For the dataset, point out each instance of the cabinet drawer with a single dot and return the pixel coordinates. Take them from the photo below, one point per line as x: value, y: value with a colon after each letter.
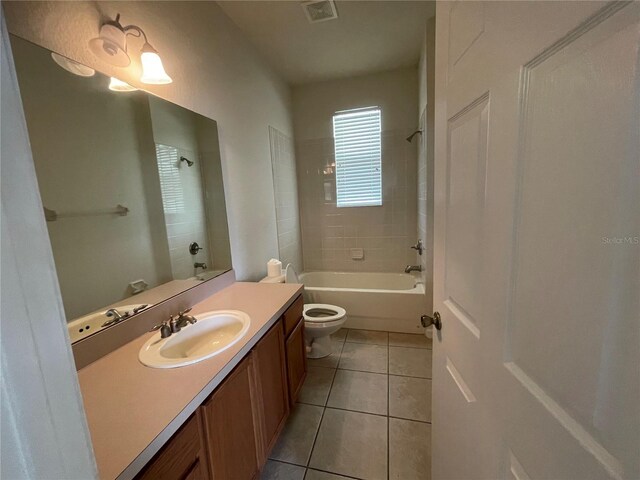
x: 292, y: 315
x: 181, y: 457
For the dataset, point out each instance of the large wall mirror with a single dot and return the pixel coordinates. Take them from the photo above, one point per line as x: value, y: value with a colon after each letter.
x: 131, y: 187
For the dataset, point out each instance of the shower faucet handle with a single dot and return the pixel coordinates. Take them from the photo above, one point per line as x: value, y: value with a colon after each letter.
x: 419, y: 247
x: 194, y: 248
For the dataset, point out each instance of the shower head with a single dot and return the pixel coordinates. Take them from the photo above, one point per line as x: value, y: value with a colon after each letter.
x: 410, y: 137
x: 185, y: 159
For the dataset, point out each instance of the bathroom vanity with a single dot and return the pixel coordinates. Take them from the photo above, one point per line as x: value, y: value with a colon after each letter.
x: 218, y: 418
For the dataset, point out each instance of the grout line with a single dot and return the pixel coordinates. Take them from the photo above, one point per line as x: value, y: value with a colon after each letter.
x: 315, y: 438
x: 324, y: 409
x: 368, y: 343
x: 388, y: 411
x: 411, y: 346
x: 386, y: 373
x: 309, y: 468
x: 333, y: 473
x: 357, y: 411
x: 409, y: 419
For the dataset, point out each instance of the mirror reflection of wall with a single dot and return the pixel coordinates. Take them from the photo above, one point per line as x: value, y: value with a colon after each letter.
x: 95, y: 149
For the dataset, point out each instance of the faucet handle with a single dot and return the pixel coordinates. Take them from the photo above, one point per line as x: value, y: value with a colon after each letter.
x: 164, y: 327
x: 418, y: 246
x: 181, y: 314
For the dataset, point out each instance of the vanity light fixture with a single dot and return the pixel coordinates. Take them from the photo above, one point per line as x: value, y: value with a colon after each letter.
x: 111, y: 46
x: 118, y: 85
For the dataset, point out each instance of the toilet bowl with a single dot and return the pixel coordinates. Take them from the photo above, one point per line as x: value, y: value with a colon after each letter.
x: 320, y: 320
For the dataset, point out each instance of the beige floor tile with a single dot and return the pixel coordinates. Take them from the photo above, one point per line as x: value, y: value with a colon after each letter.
x: 409, y: 340
x: 281, y: 471
x: 317, y: 475
x: 366, y: 358
x: 409, y: 450
x: 315, y: 390
x: 410, y: 398
x: 413, y: 362
x: 353, y: 444
x: 368, y: 336
x: 332, y: 360
x: 340, y: 334
x: 296, y: 440
x: 360, y: 391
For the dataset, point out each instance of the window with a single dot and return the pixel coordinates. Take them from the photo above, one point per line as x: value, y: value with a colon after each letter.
x: 170, y: 184
x: 356, y: 135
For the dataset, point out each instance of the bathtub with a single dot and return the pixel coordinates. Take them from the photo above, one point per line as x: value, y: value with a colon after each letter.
x: 374, y: 301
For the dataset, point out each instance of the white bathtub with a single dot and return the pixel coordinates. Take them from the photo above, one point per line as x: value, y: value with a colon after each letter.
x: 375, y: 301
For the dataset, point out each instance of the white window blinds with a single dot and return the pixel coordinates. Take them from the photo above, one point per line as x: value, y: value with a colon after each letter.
x: 357, y: 139
x: 170, y: 183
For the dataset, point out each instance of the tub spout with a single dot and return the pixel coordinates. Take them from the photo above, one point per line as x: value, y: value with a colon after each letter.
x: 413, y: 268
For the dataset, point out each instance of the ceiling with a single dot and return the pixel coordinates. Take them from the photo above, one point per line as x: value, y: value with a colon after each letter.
x: 367, y: 36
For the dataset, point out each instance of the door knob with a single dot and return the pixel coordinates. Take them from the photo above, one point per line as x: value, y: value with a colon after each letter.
x: 436, y: 321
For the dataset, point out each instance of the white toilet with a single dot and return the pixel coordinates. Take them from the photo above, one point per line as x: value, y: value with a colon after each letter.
x: 320, y: 320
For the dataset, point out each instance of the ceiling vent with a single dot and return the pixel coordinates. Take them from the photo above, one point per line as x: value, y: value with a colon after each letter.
x: 320, y: 10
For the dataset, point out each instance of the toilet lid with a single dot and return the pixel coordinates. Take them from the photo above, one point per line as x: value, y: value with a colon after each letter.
x: 323, y: 313
x: 290, y: 275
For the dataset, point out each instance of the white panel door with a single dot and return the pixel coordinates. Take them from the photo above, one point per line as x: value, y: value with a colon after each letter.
x: 537, y: 241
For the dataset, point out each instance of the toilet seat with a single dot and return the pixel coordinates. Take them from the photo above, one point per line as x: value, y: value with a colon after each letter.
x: 322, y: 313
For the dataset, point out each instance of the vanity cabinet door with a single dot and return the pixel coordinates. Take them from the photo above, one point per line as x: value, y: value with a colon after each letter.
x: 231, y: 426
x: 296, y: 361
x: 182, y: 457
x: 292, y: 315
x: 271, y: 378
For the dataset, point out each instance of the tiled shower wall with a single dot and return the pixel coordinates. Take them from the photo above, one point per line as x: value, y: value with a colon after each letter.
x: 385, y: 233
x: 285, y: 188
x: 422, y: 195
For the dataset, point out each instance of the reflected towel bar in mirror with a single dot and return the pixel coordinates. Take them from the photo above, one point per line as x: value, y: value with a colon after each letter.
x: 52, y: 215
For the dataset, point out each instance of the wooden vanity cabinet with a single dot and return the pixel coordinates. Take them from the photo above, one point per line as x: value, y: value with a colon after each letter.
x: 231, y: 428
x: 295, y: 348
x: 231, y: 434
x: 183, y: 457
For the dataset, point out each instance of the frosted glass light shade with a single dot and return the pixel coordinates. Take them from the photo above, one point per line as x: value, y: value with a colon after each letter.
x: 73, y: 66
x: 119, y: 86
x: 111, y: 45
x: 152, y: 70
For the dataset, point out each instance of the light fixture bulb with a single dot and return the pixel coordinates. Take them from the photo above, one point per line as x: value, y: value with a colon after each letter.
x: 111, y: 45
x: 118, y: 85
x: 152, y: 70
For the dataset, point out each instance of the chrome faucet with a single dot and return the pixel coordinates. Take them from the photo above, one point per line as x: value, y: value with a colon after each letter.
x: 413, y: 268
x: 200, y: 265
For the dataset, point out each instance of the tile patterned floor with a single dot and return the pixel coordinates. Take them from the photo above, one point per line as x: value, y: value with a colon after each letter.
x: 364, y: 413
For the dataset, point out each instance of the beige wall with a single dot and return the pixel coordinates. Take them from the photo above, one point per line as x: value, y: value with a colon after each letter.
x: 386, y: 232
x: 216, y: 73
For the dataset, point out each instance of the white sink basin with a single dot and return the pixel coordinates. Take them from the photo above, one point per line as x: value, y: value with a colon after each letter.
x: 213, y: 333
